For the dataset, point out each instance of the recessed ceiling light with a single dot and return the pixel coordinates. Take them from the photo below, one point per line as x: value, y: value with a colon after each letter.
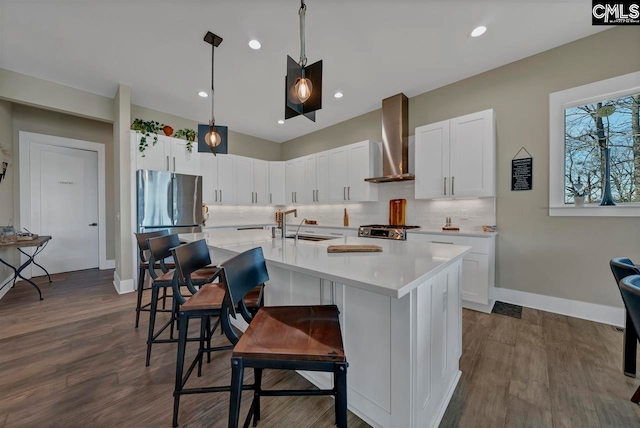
x: 338, y: 94
x: 478, y: 31
x: 254, y: 44
x: 203, y: 94
x: 280, y: 122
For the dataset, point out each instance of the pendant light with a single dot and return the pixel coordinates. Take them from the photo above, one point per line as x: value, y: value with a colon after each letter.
x: 212, y: 138
x: 303, y: 84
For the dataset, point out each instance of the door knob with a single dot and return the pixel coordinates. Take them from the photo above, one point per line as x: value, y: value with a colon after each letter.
x: 93, y: 224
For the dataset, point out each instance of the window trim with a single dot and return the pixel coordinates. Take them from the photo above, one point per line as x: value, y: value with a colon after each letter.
x: 615, y: 87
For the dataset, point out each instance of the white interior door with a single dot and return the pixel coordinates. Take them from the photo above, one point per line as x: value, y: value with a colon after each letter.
x: 64, y: 204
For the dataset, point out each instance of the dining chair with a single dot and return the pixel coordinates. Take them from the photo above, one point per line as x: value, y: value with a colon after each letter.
x: 630, y: 289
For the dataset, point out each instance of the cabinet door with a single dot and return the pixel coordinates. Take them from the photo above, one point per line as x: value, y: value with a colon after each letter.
x: 227, y: 179
x: 183, y: 162
x: 322, y: 177
x: 432, y: 161
x: 277, y: 183
x: 300, y: 193
x: 475, y: 278
x: 472, y: 151
x: 155, y: 157
x: 358, y: 168
x: 208, y: 170
x: 244, y: 181
x: 338, y: 174
x: 261, y: 182
x: 310, y: 182
x: 290, y: 186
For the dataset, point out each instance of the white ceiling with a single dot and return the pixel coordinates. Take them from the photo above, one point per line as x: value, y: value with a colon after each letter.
x: 371, y: 50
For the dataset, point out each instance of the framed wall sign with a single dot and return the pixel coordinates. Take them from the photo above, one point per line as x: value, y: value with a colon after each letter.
x: 522, y: 172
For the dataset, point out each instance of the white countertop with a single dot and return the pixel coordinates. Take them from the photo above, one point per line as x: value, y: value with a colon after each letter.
x: 398, y: 269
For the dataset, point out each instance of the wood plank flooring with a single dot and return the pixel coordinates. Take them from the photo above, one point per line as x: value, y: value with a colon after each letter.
x: 75, y: 360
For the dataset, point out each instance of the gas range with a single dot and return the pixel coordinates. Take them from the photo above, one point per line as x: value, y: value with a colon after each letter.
x: 385, y: 231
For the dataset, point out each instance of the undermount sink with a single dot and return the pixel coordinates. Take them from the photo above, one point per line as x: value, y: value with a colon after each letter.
x: 309, y: 238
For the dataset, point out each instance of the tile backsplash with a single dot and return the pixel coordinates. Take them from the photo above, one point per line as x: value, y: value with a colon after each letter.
x: 427, y: 214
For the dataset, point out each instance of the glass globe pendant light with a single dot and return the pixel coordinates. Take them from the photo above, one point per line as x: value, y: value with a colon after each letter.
x: 212, y: 138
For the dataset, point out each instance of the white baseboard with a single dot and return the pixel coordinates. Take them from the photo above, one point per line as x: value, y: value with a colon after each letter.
x: 4, y: 288
x: 478, y: 306
x: 574, y: 308
x: 122, y: 286
x: 107, y: 264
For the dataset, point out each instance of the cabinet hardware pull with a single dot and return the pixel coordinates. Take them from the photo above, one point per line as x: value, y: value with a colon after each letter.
x: 216, y: 195
x: 256, y: 197
x: 445, y: 186
x: 270, y: 198
x: 336, y: 234
x: 167, y: 163
x: 349, y: 193
x: 291, y: 197
x: 453, y: 186
x: 344, y: 193
x: 174, y: 164
x: 220, y: 195
x: 93, y: 224
x: 442, y: 242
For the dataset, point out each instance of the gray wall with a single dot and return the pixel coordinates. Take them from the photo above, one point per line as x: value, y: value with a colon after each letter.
x: 555, y: 256
x: 239, y: 144
x: 6, y: 186
x: 31, y: 119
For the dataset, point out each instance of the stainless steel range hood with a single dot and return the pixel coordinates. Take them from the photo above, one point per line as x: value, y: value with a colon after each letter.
x: 395, y: 140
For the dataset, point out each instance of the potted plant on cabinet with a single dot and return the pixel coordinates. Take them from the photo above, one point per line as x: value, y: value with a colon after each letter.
x: 189, y: 135
x: 146, y: 128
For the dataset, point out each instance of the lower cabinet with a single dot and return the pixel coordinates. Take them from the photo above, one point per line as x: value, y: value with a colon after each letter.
x: 478, y: 267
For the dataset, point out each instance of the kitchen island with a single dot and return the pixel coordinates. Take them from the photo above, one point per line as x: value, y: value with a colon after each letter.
x: 400, y: 313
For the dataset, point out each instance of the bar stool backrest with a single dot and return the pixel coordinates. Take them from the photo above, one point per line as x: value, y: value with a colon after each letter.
x: 143, y: 246
x: 191, y: 257
x: 630, y: 290
x: 622, y: 267
x: 241, y: 274
x: 160, y: 249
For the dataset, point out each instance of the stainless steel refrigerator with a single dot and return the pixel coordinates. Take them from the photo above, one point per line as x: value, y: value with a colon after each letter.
x: 169, y: 201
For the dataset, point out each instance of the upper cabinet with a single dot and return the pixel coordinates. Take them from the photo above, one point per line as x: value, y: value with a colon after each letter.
x: 456, y: 158
x: 218, y: 179
x: 316, y: 173
x: 277, y: 183
x: 348, y: 168
x: 252, y: 181
x: 296, y: 182
x: 167, y: 154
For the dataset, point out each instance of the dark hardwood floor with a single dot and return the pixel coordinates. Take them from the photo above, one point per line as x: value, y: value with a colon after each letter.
x: 75, y: 360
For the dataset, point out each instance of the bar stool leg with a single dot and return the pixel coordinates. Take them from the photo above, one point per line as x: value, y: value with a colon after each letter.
x: 237, y: 375
x: 340, y: 385
x: 257, y: 373
x: 203, y: 337
x: 209, y: 334
x: 164, y: 298
x: 141, y: 276
x: 152, y: 320
x: 182, y: 345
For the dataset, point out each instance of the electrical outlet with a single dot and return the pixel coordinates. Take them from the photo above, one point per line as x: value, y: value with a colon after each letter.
x: 464, y: 214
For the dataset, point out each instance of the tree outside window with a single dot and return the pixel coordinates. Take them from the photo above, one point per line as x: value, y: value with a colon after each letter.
x: 589, y: 130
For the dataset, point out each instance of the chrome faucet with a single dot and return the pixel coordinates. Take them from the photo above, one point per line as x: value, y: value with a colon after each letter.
x: 298, y: 230
x: 284, y: 221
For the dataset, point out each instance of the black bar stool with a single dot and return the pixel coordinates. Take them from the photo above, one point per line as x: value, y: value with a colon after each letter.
x: 160, y: 250
x: 143, y: 248
x: 621, y: 268
x: 280, y: 337
x: 204, y: 304
x: 630, y: 290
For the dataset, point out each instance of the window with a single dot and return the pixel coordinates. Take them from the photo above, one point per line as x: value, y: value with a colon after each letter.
x: 584, y: 123
x: 589, y: 130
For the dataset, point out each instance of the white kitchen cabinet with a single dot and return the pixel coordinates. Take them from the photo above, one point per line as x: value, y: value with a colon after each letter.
x: 218, y: 179
x: 456, y: 158
x: 310, y: 179
x: 261, y: 182
x: 348, y: 168
x: 168, y: 154
x: 244, y: 181
x: 277, y: 183
x: 478, y: 267
x: 322, y: 177
x: 295, y: 181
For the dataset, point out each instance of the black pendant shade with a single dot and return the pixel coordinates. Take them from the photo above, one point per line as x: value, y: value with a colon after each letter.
x: 293, y: 105
x: 203, y: 147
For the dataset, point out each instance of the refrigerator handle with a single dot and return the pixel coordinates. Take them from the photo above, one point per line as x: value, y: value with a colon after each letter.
x: 172, y: 206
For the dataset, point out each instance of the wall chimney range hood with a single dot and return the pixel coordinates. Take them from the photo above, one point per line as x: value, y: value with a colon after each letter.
x: 395, y: 140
